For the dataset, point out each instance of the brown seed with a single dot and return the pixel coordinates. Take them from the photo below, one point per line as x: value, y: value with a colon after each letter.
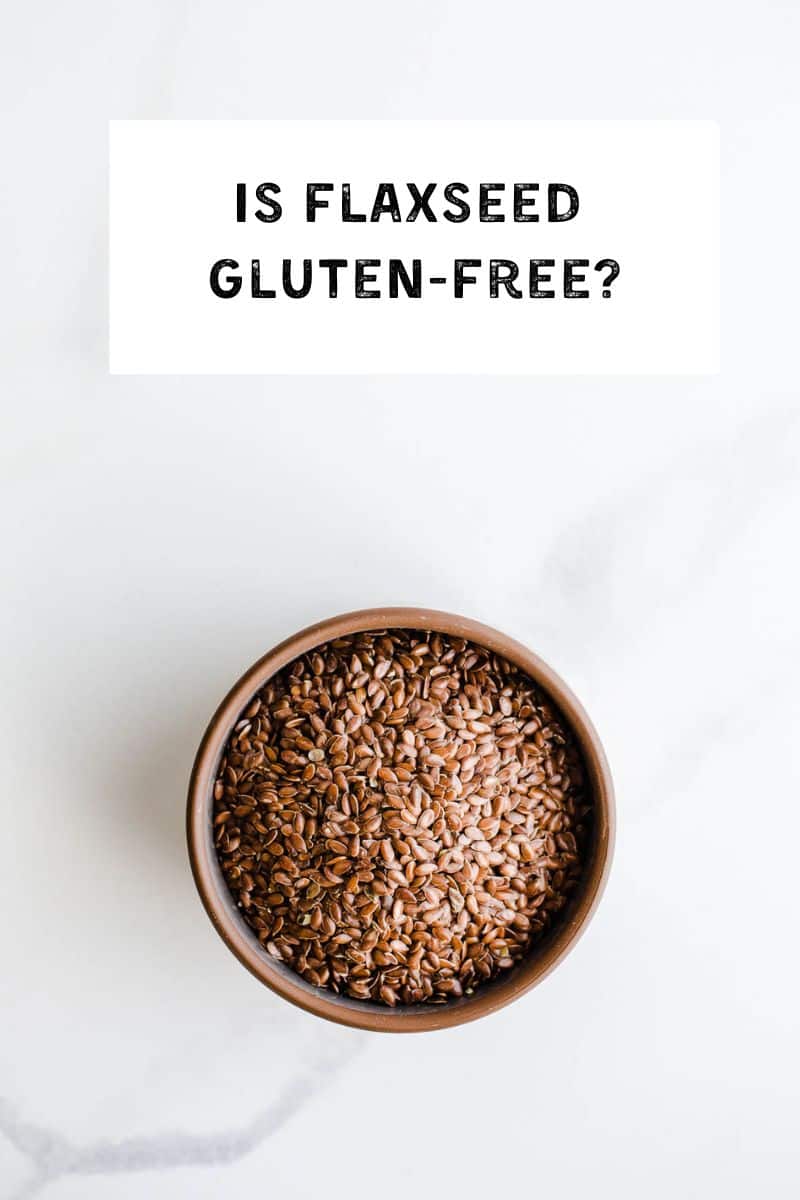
x: 400, y: 841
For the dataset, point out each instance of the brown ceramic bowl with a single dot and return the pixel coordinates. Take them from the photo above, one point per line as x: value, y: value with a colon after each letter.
x: 282, y: 979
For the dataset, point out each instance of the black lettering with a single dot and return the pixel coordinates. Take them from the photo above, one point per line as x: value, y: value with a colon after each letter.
x: 538, y: 277
x: 385, y: 202
x: 488, y: 201
x: 572, y: 277
x: 553, y: 190
x: 521, y: 201
x: 333, y: 266
x: 421, y: 202
x: 234, y: 282
x: 398, y: 274
x: 503, y: 271
x: 255, y: 283
x: 461, y: 278
x: 312, y: 202
x: 347, y: 214
x: 241, y: 202
x: 288, y: 286
x: 363, y: 277
x: 262, y: 196
x: 451, y: 197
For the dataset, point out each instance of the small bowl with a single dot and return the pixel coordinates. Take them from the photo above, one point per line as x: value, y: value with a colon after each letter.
x: 238, y: 936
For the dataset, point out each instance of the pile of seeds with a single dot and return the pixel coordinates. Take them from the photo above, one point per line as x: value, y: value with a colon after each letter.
x: 399, y: 815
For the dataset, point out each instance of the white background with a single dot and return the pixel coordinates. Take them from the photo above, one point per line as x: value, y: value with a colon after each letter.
x: 649, y: 198
x: 158, y: 534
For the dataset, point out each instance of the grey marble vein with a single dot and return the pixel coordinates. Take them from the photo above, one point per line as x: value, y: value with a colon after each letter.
x: 54, y: 1156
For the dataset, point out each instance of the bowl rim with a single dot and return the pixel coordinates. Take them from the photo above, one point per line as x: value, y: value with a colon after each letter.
x: 242, y: 942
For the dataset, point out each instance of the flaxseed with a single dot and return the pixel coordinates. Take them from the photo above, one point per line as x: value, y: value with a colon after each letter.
x: 400, y: 816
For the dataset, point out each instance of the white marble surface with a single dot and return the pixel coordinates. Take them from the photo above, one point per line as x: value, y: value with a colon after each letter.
x: 159, y: 534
